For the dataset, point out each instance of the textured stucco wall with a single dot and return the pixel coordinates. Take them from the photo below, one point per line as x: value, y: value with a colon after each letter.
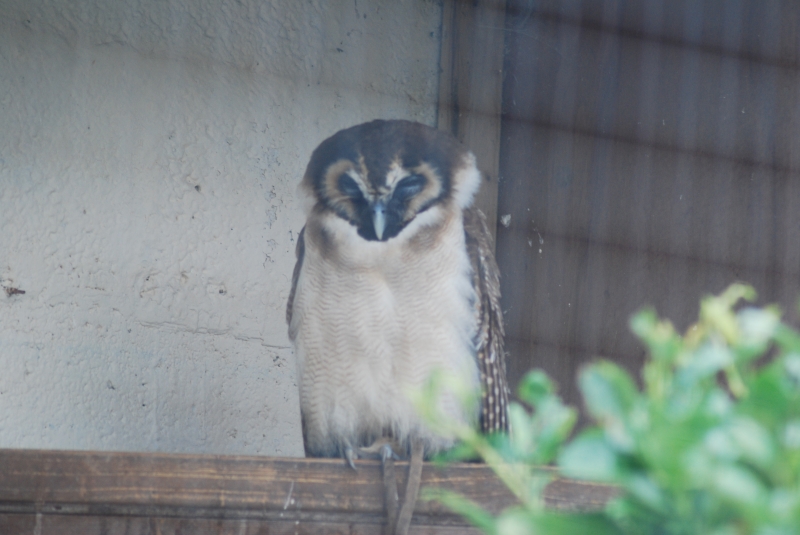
x: 149, y: 155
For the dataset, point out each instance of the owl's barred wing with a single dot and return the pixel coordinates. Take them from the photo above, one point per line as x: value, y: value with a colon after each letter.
x: 300, y: 252
x: 489, y: 335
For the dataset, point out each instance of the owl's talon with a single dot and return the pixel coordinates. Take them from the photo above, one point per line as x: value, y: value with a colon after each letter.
x: 350, y: 456
x: 388, y: 453
x: 383, y: 448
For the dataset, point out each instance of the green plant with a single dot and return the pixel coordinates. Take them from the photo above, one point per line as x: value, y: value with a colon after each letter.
x: 709, y: 444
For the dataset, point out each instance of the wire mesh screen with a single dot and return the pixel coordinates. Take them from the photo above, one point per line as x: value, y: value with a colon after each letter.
x: 649, y: 156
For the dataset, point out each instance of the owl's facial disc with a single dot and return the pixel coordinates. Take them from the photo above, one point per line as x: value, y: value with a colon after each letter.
x: 380, y: 201
x: 380, y: 214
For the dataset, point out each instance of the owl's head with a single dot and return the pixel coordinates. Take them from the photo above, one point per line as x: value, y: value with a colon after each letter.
x: 380, y: 176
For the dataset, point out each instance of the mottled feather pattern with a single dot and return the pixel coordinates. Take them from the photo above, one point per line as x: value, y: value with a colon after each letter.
x: 489, y: 335
x: 299, y: 251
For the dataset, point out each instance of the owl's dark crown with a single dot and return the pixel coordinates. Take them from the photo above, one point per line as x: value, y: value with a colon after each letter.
x: 380, y: 175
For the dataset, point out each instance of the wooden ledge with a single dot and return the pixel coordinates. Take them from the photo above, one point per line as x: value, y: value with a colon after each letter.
x: 66, y: 492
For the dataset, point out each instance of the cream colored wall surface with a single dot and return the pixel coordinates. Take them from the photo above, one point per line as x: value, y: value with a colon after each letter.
x: 149, y: 155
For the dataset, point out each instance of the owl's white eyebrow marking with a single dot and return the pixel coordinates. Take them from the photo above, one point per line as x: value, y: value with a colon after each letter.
x: 396, y: 173
x: 361, y: 183
x: 357, y: 178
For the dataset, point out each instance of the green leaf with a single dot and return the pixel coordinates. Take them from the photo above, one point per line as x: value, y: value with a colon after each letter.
x: 719, y: 444
x: 522, y: 439
x: 717, y: 404
x: 518, y: 521
x: 535, y: 387
x: 608, y: 390
x: 785, y: 505
x: 515, y: 521
x: 474, y: 513
x: 646, y: 490
x: 758, y: 327
x: 706, y: 361
x: 787, y: 338
x: 717, y: 311
x: 462, y: 451
x: 792, y: 364
x: 770, y: 400
x: 737, y: 484
x: 664, y: 446
x: 644, y: 322
x: 753, y: 442
x: 660, y: 336
x: 554, y: 422
x: 574, y: 524
x: 609, y: 394
x: 590, y: 457
x: 791, y: 435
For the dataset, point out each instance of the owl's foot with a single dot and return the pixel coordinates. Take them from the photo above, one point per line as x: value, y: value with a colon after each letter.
x: 397, y: 522
x: 382, y: 449
x: 388, y: 453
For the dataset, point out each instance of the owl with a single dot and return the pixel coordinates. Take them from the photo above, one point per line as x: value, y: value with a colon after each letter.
x: 395, y: 278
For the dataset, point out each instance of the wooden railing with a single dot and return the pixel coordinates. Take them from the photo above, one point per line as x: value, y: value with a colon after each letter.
x: 67, y: 492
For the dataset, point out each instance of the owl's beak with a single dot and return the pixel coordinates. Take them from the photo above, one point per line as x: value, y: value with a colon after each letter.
x: 379, y: 218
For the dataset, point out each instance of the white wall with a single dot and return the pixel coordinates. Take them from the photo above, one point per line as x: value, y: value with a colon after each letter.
x: 149, y: 155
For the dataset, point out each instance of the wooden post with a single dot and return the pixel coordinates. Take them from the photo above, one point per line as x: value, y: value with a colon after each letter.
x: 471, y: 87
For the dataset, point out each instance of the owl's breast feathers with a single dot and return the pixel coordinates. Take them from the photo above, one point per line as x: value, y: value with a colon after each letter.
x: 371, y: 320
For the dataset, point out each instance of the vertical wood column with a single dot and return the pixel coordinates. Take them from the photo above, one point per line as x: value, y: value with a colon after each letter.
x: 471, y: 87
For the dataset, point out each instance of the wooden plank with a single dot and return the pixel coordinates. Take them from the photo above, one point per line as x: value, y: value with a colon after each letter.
x: 89, y: 492
x: 13, y: 524
x: 471, y: 85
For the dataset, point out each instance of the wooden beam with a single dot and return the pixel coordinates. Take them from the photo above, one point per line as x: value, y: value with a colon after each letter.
x: 471, y: 86
x: 90, y: 493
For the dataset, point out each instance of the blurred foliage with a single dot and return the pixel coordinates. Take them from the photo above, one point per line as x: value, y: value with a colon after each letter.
x: 709, y: 444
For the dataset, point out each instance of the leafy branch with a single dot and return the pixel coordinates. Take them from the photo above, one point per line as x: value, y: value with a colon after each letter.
x: 709, y: 444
